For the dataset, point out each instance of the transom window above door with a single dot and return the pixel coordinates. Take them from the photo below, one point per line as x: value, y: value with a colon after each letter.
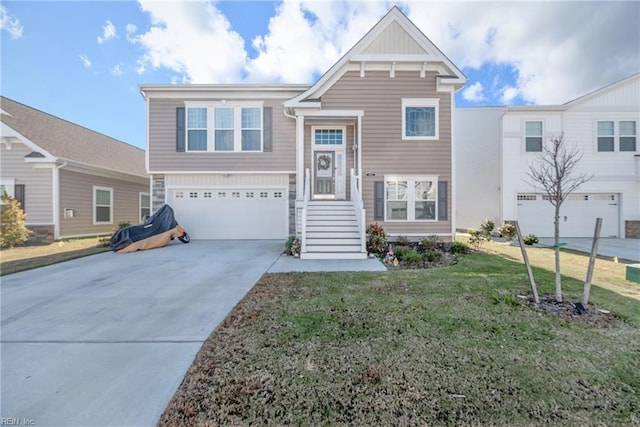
x: 328, y: 136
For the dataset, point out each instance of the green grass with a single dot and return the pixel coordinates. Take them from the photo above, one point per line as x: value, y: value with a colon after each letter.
x: 446, y: 346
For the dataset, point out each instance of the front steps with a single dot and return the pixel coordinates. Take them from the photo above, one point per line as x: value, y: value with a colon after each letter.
x: 332, y: 231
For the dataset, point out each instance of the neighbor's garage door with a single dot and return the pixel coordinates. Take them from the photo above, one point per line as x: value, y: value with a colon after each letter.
x: 577, y: 215
x: 223, y: 213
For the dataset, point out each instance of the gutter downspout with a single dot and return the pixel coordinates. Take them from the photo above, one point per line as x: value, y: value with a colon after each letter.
x: 56, y: 200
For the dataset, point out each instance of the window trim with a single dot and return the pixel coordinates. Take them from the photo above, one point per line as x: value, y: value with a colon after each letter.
x: 634, y: 136
x: 10, y: 185
x: 411, y: 200
x: 187, y: 129
x: 237, y: 107
x: 616, y: 135
x: 421, y: 102
x: 541, y: 136
x: 140, y: 207
x: 95, y: 206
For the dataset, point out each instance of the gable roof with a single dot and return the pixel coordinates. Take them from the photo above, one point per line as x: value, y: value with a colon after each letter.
x: 411, y: 45
x: 598, y: 92
x: 67, y: 141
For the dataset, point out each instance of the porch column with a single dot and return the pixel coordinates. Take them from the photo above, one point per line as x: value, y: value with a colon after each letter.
x: 360, y: 173
x: 299, y: 157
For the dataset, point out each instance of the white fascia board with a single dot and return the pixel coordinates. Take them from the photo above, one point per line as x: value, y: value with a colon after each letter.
x: 105, y: 172
x: 221, y: 172
x: 9, y: 134
x: 533, y: 108
x: 373, y: 57
x: 331, y: 113
x: 237, y: 91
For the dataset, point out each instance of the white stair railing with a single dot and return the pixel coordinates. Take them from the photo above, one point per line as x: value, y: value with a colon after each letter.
x: 358, y: 207
x: 305, y: 204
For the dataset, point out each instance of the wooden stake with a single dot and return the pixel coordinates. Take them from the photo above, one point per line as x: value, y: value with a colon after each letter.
x: 592, y: 262
x: 532, y: 282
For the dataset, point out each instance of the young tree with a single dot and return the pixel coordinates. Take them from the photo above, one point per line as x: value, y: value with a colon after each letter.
x: 555, y: 174
x: 13, y: 227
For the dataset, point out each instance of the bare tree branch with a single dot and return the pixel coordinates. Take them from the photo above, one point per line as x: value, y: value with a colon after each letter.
x: 555, y: 174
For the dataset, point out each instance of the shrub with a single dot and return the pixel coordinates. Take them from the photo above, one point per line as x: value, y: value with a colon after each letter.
x: 433, y: 255
x: 487, y: 227
x: 376, y: 239
x: 293, y: 245
x: 476, y: 238
x: 459, y: 248
x: 401, y: 252
x: 13, y: 228
x: 530, y: 239
x: 403, y: 241
x: 412, y: 258
x: 507, y: 230
x: 430, y: 243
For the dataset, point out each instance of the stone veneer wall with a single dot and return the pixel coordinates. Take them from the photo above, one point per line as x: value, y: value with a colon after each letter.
x: 632, y: 229
x: 41, y: 233
x: 157, y: 193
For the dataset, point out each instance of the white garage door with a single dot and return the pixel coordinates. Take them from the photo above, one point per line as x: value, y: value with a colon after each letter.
x: 228, y: 213
x: 577, y: 214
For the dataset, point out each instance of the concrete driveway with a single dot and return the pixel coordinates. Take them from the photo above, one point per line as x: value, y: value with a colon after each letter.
x: 107, y: 339
x: 628, y: 249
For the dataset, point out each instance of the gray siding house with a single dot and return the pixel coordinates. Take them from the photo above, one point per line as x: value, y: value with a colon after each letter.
x: 71, y: 181
x: 370, y: 141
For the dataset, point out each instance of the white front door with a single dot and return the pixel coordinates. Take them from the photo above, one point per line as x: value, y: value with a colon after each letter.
x: 329, y: 163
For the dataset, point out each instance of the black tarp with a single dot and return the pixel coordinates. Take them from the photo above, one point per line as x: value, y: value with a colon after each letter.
x: 161, y: 221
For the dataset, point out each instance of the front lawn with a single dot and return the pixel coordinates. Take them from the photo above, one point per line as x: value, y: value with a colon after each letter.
x: 27, y: 257
x: 452, y: 345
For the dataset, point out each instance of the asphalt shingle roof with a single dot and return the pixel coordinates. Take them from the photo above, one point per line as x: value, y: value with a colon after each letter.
x: 69, y: 141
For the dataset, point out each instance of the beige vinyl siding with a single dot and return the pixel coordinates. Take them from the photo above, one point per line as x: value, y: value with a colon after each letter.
x: 76, y: 191
x: 164, y: 158
x: 38, y: 183
x: 383, y: 150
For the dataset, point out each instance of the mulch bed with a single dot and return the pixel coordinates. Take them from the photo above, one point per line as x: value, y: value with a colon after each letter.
x: 591, y: 315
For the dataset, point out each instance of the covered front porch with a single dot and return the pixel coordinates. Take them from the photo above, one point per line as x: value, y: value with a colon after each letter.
x: 330, y: 216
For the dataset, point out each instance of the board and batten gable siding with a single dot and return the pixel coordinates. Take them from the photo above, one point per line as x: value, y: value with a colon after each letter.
x: 76, y: 192
x: 384, y: 152
x: 163, y: 156
x: 38, y: 183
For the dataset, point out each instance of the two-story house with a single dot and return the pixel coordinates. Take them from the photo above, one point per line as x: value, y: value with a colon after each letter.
x: 370, y: 141
x: 602, y: 126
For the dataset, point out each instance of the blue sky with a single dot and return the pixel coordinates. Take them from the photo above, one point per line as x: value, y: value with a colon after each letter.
x: 83, y: 61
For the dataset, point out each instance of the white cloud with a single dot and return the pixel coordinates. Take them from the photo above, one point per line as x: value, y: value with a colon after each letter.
x: 192, y: 39
x: 116, y: 70
x: 9, y: 23
x: 474, y: 92
x: 324, y: 31
x: 561, y: 49
x: 558, y: 50
x: 86, y: 62
x: 508, y: 94
x: 131, y: 32
x: 108, y: 32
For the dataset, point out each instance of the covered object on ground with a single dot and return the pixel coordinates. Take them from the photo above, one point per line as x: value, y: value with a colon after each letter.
x: 156, y: 232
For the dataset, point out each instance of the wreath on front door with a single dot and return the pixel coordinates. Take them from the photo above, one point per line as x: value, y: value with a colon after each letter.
x: 324, y: 162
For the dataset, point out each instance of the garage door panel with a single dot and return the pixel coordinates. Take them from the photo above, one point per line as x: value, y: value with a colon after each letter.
x: 577, y: 215
x: 232, y: 213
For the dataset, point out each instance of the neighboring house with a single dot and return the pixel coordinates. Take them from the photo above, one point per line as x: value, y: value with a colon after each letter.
x: 370, y: 141
x: 71, y: 181
x: 603, y: 125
